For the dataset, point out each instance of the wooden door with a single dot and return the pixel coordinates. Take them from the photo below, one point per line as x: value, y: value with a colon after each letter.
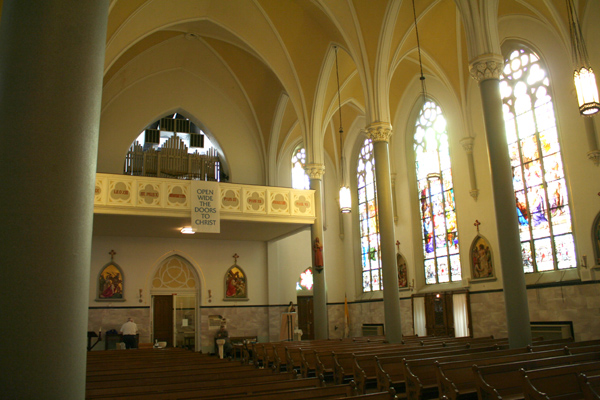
x: 305, y: 317
x: 439, y: 314
x: 163, y: 319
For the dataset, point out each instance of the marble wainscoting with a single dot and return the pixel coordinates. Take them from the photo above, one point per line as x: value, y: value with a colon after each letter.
x: 577, y: 303
x: 109, y: 318
x: 241, y: 321
x: 488, y: 314
x: 369, y: 312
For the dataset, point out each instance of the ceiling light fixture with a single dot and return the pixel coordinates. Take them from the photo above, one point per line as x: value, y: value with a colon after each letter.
x: 583, y: 76
x: 345, y: 198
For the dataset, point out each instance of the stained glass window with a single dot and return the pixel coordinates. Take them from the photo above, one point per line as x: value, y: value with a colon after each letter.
x: 306, y: 280
x: 541, y: 195
x: 436, y: 197
x: 299, y: 178
x: 369, y: 223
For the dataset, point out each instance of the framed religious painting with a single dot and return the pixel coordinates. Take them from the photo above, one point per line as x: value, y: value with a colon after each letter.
x: 482, y: 260
x: 110, y: 283
x: 236, y: 284
x: 402, y: 273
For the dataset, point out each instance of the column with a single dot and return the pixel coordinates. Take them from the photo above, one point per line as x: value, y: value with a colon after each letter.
x: 590, y: 131
x: 315, y: 173
x: 50, y: 96
x: 380, y: 134
x: 486, y: 70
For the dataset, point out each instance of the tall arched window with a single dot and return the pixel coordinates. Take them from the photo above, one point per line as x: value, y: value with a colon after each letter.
x: 436, y: 197
x: 369, y: 223
x: 539, y: 182
x: 299, y: 177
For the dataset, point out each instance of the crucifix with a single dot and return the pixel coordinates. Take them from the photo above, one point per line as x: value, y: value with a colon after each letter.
x: 112, y: 254
x: 398, y: 246
x: 476, y: 224
x: 235, y: 257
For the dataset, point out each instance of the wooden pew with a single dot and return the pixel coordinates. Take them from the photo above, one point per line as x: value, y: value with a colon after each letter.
x: 225, y: 389
x: 504, y: 379
x: 590, y: 386
x: 365, y: 368
x: 559, y: 382
x: 100, y: 389
x: 422, y: 377
x: 456, y: 380
x: 326, y: 392
x: 390, y: 371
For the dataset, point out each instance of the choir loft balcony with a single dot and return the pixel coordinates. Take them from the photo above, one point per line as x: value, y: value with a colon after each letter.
x: 139, y: 206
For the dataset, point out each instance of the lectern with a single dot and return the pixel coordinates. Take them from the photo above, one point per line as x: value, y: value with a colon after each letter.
x: 288, y: 325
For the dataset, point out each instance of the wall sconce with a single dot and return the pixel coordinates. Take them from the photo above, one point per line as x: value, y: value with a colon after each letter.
x: 140, y: 296
x: 411, y: 285
x: 209, y: 295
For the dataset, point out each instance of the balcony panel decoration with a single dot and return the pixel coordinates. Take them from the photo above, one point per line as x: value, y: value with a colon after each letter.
x: 140, y: 195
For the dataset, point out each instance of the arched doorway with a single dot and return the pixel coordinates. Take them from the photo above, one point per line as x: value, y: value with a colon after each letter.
x: 175, y: 291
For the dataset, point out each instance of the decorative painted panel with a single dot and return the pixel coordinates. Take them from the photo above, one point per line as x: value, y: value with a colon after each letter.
x: 100, y: 190
x: 231, y: 199
x: 178, y: 196
x: 120, y: 192
x: 254, y: 200
x: 149, y: 194
x: 302, y: 204
x: 279, y: 202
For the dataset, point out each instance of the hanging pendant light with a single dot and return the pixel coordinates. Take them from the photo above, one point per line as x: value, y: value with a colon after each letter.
x: 583, y: 76
x: 345, y: 198
x: 422, y: 77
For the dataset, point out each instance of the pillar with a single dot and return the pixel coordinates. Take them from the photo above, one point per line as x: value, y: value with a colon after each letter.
x: 50, y: 95
x: 486, y: 70
x: 380, y: 134
x: 315, y: 173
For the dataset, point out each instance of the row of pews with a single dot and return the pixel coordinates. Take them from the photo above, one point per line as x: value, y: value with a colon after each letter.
x: 370, y: 368
x: 169, y: 374
x: 448, y: 368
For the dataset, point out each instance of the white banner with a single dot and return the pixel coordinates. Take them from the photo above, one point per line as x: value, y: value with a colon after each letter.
x: 206, y: 209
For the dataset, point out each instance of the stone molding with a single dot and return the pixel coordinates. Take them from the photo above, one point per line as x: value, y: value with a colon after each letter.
x: 315, y: 171
x: 379, y: 132
x: 488, y: 66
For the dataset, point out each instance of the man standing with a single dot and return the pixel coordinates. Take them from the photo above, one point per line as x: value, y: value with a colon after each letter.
x: 129, y: 331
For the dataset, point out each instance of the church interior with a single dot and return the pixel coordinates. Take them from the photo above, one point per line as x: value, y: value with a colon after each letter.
x: 454, y: 125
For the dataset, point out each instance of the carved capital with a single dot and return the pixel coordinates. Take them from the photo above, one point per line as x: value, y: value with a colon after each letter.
x: 379, y: 132
x: 467, y: 144
x: 594, y: 156
x: 474, y: 193
x: 315, y: 171
x: 488, y: 66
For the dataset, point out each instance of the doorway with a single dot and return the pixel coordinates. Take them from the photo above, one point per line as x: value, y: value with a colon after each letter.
x: 306, y: 317
x: 163, y: 318
x: 442, y: 314
x: 174, y: 320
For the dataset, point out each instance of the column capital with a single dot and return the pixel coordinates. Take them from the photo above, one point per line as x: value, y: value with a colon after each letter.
x: 379, y: 131
x: 487, y: 66
x: 594, y: 156
x: 315, y: 171
x: 467, y: 144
